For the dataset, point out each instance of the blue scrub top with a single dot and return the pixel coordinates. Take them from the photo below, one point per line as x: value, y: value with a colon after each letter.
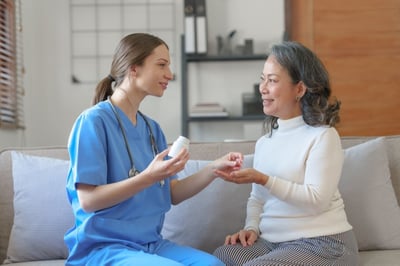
x: 99, y: 156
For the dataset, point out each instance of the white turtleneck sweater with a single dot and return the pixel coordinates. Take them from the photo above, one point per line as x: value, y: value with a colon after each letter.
x: 301, y: 198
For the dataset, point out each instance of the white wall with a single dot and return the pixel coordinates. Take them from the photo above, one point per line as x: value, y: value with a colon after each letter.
x: 52, y: 102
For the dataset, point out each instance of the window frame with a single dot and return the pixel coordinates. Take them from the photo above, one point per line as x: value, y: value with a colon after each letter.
x: 11, y: 70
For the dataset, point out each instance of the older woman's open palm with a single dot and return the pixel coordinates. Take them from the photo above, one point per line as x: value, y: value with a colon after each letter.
x: 244, y: 176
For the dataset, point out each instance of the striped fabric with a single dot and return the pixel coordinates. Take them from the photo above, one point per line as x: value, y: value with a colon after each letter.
x: 339, y: 250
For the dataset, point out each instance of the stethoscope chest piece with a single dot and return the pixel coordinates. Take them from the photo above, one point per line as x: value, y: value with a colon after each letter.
x: 133, y: 172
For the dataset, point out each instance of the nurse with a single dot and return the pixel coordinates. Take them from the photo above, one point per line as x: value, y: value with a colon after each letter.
x: 121, y: 181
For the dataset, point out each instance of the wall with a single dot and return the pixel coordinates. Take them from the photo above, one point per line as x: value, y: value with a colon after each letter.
x: 359, y: 42
x: 52, y: 102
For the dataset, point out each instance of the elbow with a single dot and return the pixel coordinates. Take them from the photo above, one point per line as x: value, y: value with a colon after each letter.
x: 317, y: 206
x: 86, y: 206
x: 86, y: 200
x: 175, y: 201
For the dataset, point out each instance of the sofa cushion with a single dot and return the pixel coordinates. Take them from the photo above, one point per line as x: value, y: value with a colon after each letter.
x: 369, y: 197
x: 204, y: 220
x: 42, y: 213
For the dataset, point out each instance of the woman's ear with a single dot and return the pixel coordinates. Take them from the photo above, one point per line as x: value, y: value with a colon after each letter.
x: 301, y: 89
x: 134, y: 70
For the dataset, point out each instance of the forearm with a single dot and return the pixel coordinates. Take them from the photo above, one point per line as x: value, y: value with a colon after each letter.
x: 191, y: 185
x: 253, y: 212
x: 93, y: 198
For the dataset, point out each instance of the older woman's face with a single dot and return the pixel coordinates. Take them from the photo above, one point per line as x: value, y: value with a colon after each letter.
x: 278, y: 91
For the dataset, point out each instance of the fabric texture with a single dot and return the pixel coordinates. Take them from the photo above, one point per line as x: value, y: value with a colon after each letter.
x: 369, y: 197
x: 301, y: 198
x: 42, y: 213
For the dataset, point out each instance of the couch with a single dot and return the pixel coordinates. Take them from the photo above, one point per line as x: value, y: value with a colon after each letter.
x: 34, y: 211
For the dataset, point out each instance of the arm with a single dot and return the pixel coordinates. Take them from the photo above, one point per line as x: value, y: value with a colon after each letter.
x: 189, y: 186
x: 322, y: 171
x: 93, y: 198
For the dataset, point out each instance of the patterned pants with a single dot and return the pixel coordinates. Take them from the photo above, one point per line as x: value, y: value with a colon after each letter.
x: 339, y: 250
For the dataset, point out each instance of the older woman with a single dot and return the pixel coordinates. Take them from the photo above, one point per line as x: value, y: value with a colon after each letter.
x: 295, y: 213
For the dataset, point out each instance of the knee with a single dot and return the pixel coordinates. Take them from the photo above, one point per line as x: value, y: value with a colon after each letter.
x: 214, y: 261
x: 220, y: 253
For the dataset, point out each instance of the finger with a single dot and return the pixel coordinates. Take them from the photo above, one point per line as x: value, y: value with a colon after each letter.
x: 242, y: 238
x: 227, y: 239
x: 252, y: 238
x: 233, y: 239
x: 163, y: 153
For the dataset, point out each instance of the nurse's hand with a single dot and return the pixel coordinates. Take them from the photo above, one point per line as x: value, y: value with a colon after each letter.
x: 159, y: 168
x: 227, y: 164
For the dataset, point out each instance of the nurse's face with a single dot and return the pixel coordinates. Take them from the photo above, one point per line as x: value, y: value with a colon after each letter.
x: 153, y: 76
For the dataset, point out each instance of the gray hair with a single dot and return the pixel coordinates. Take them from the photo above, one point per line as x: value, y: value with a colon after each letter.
x: 303, y: 65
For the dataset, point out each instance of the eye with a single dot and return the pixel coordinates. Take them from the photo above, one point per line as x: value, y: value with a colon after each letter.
x: 272, y: 81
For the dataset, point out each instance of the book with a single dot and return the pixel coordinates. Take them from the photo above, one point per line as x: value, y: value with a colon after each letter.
x: 207, y: 107
x: 208, y: 110
x: 201, y: 26
x: 190, y: 26
x: 209, y: 114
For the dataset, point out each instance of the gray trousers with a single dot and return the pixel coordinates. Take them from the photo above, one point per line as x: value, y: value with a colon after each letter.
x: 340, y: 249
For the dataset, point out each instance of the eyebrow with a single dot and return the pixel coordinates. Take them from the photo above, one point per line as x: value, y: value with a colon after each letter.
x: 163, y: 59
x: 269, y: 75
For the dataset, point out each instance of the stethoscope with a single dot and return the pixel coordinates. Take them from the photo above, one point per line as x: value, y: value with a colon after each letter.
x: 133, y: 171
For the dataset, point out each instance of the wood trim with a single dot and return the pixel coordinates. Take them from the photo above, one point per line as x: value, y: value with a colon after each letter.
x: 300, y: 24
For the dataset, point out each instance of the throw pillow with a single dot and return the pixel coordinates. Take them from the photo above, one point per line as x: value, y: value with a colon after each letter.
x: 370, y: 201
x: 42, y: 213
x: 204, y: 220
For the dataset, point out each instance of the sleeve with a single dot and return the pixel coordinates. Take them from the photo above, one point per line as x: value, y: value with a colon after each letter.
x: 87, y: 149
x: 255, y: 206
x: 322, y: 173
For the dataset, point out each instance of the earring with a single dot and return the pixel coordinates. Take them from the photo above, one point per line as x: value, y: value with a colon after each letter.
x: 297, y: 98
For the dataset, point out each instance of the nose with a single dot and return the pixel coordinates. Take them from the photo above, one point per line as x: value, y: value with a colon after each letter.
x: 263, y: 87
x: 168, y: 74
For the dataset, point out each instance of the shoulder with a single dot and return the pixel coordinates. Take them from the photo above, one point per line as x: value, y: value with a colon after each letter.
x: 325, y: 132
x: 99, y: 112
x: 94, y: 117
x: 328, y: 137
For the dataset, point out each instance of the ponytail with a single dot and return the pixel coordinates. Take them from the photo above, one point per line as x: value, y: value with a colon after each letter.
x: 103, y: 90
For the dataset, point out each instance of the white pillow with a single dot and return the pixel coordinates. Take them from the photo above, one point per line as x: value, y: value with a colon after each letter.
x: 370, y: 202
x: 42, y: 213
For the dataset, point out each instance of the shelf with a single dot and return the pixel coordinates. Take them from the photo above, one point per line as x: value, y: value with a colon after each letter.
x: 228, y: 118
x: 216, y: 58
x: 199, y: 58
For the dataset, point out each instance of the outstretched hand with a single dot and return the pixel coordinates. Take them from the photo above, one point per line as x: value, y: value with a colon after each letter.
x: 243, y: 176
x: 228, y: 163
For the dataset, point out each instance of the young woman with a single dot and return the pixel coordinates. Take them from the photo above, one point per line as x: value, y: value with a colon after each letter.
x: 121, y: 181
x: 295, y: 214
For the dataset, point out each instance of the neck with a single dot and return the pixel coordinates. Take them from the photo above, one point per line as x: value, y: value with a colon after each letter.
x: 122, y: 99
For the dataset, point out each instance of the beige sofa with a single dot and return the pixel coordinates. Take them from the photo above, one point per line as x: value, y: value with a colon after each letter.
x: 33, y: 187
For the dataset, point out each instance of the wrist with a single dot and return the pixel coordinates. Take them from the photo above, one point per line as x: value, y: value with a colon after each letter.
x: 210, y: 170
x: 263, y: 179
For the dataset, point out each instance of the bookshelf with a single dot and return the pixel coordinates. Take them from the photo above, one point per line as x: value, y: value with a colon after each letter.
x: 197, y: 58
